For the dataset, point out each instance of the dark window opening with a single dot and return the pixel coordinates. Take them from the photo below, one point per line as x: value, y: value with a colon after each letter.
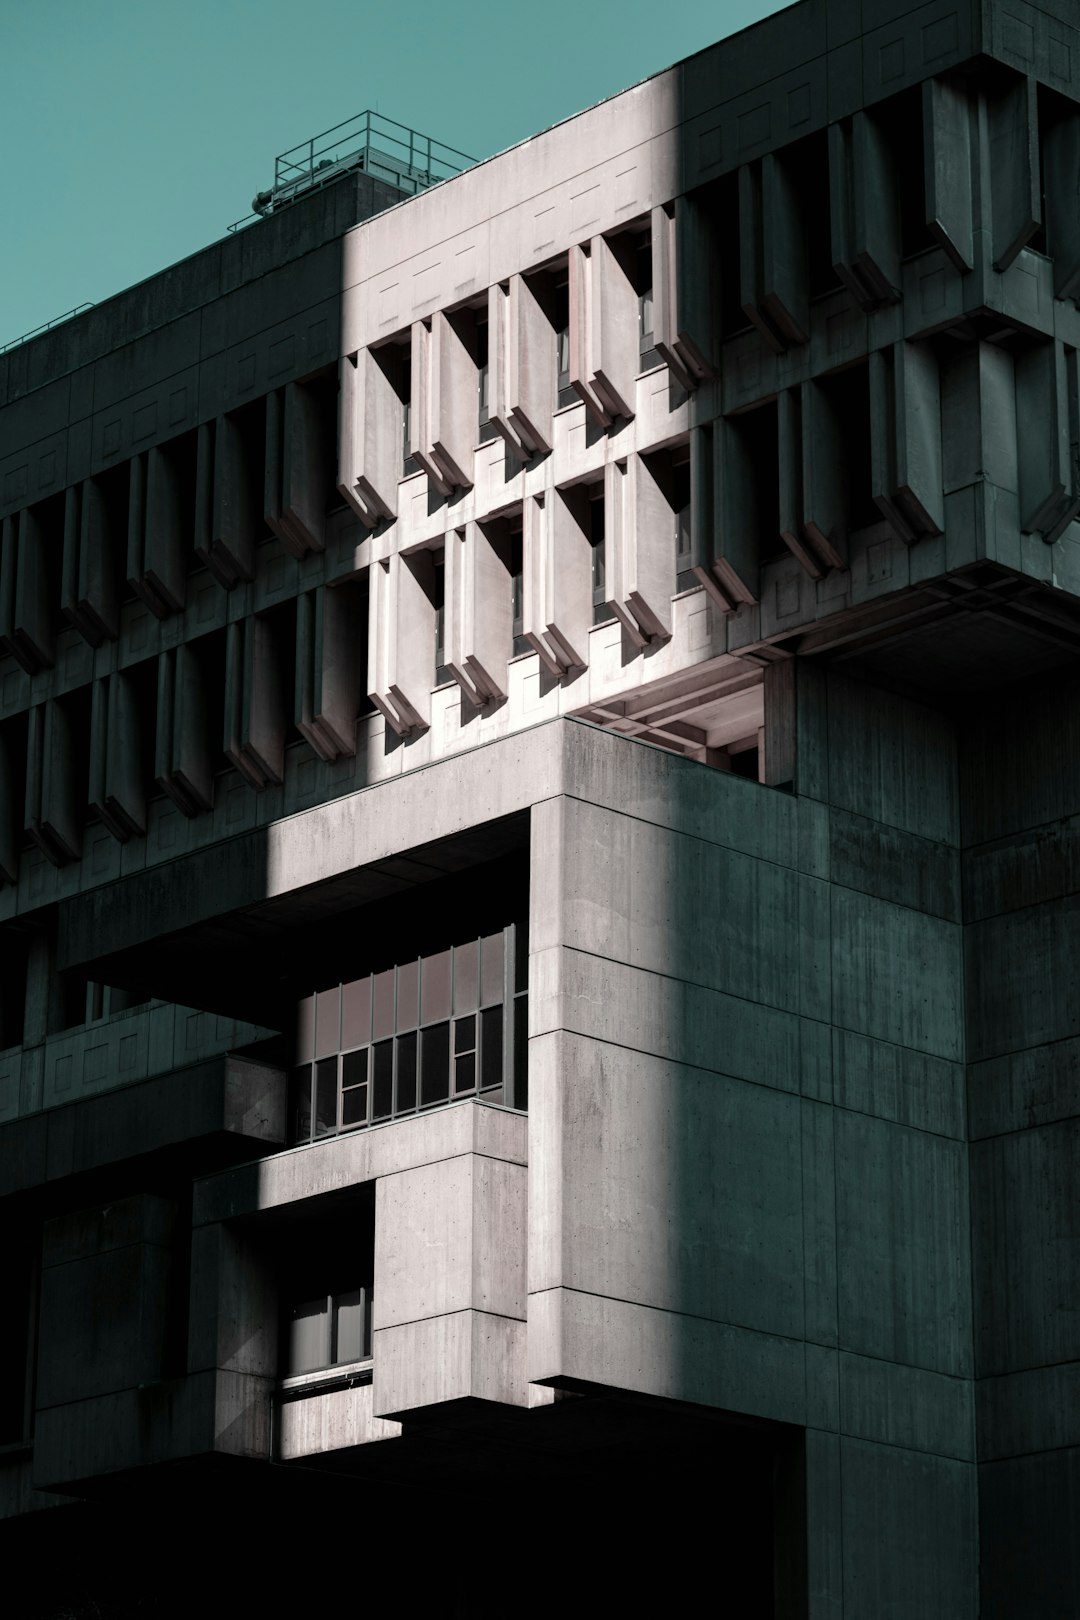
x: 745, y: 762
x: 401, y: 363
x: 561, y: 321
x: 643, y: 281
x: 685, y: 578
x: 517, y: 594
x: 601, y: 612
x: 13, y: 989
x: 442, y: 673
x: 487, y: 428
x: 422, y: 1033
x: 18, y: 1289
x: 325, y: 1275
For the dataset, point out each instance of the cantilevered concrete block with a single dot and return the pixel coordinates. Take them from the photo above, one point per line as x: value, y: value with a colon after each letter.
x: 947, y: 155
x: 329, y: 668
x: 450, y: 1264
x: 479, y: 611
x: 401, y: 640
x: 773, y: 274
x: 117, y: 793
x: 296, y: 470
x: 685, y: 289
x: 557, y: 579
x: 603, y: 328
x: 156, y: 542
x: 370, y: 435
x: 183, y: 760
x: 91, y: 547
x: 905, y: 439
x: 1047, y: 426
x: 53, y: 818
x: 864, y: 210
x: 531, y: 359
x: 255, y: 720
x: 226, y: 512
x: 639, y: 548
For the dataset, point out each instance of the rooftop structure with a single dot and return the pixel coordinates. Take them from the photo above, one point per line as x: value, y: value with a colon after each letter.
x: 537, y: 863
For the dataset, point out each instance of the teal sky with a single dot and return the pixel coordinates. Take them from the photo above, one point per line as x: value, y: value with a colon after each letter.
x: 135, y: 131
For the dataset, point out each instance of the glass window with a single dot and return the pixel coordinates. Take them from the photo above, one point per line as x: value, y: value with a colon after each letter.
x: 328, y: 1022
x: 491, y: 1048
x: 326, y: 1087
x: 350, y: 1326
x: 406, y: 1074
x: 435, y: 1064
x: 382, y: 1105
x: 465, y: 1054
x: 415, y: 1035
x: 309, y: 1341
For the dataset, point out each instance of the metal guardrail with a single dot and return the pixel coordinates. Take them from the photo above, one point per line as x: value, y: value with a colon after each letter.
x: 390, y: 151
x: 46, y: 326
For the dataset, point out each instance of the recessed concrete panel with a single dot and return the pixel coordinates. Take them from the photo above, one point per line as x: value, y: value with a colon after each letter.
x: 1026, y: 1229
x: 903, y: 1265
x: 668, y: 1186
x: 892, y: 761
x: 897, y: 974
x: 909, y: 1534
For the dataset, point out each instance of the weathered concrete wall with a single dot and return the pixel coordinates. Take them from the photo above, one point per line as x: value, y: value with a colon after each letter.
x: 1020, y: 799
x: 726, y: 1203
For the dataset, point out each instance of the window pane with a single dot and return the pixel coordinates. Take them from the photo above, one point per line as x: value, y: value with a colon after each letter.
x: 349, y: 1313
x: 305, y: 1030
x: 465, y: 1034
x: 300, y: 1104
x: 408, y: 995
x: 466, y: 976
x: 354, y: 1069
x: 435, y: 1061
x: 435, y: 988
x: 491, y: 969
x: 308, y: 1347
x: 356, y: 1013
x: 326, y: 1096
x: 406, y: 1074
x: 354, y: 1106
x: 491, y: 1052
x: 465, y: 1072
x: 383, y: 1020
x: 383, y: 1076
x: 328, y: 1021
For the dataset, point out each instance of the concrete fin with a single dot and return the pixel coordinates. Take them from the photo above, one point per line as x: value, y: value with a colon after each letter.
x: 401, y: 640
x: 531, y: 387
x: 329, y: 643
x: 479, y: 613
x: 947, y: 153
x: 1061, y: 192
x: 1015, y: 187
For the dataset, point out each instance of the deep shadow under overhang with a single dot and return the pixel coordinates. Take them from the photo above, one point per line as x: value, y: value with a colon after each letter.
x: 198, y: 931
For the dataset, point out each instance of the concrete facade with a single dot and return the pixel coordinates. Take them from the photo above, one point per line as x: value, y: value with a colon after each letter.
x: 537, y: 877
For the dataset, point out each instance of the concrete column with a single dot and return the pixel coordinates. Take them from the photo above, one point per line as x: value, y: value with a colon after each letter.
x: 88, y: 590
x: 685, y: 280
x: 254, y: 702
x: 329, y: 647
x: 401, y: 640
x: 183, y: 765
x: 905, y: 439
x: 116, y: 790
x: 479, y: 618
x: 639, y: 544
x: 557, y: 580
x: 225, y: 510
x: 369, y: 438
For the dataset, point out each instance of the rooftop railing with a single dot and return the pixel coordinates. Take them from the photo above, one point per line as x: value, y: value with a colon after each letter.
x: 381, y: 147
x: 46, y: 326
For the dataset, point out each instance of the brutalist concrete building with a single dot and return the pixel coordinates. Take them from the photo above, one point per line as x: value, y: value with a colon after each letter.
x: 539, y: 863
